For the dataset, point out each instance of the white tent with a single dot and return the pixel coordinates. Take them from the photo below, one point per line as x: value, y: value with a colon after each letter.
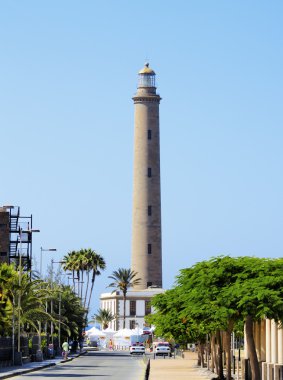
x: 95, y: 331
x: 109, y: 331
x: 109, y: 335
x: 96, y: 335
x: 122, y: 338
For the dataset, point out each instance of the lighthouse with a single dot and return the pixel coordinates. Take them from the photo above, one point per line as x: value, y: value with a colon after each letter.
x: 146, y: 222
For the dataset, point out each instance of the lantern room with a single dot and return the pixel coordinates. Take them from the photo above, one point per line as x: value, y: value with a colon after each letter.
x: 146, y: 77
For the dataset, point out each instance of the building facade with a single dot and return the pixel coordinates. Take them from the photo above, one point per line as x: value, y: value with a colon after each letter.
x: 268, y: 336
x: 137, y: 307
x: 4, y: 235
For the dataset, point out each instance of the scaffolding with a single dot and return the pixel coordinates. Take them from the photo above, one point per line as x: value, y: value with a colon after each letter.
x: 20, y: 229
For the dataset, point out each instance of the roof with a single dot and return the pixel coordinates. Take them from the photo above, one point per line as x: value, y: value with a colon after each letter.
x: 147, y: 70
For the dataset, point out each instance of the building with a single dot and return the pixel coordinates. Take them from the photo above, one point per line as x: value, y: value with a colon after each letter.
x: 146, y: 235
x: 268, y: 336
x: 4, y: 235
x: 137, y: 307
x: 146, y: 225
x: 15, y: 237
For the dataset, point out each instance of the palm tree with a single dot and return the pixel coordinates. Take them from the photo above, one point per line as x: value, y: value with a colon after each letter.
x: 103, y: 316
x: 123, y: 280
x: 95, y: 264
x: 84, y: 260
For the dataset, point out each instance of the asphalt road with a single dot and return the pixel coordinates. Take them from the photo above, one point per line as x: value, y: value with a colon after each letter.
x: 94, y: 365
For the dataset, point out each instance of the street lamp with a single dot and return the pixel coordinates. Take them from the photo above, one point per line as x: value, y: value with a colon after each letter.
x: 45, y: 250
x: 51, y: 325
x: 21, y: 231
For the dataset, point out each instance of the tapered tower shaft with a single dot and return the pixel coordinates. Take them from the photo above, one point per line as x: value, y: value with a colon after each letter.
x: 146, y: 233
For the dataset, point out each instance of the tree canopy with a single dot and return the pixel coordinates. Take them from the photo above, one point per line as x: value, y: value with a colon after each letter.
x: 213, y: 295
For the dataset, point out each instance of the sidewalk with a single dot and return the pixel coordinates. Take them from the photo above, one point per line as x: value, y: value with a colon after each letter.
x: 178, y: 369
x: 7, y: 372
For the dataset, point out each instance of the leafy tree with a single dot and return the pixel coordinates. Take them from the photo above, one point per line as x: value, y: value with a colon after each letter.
x: 123, y: 280
x: 68, y: 311
x: 8, y: 278
x: 216, y: 294
x: 103, y: 316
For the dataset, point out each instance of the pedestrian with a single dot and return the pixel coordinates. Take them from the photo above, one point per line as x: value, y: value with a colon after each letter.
x: 110, y: 345
x: 65, y: 347
x: 81, y: 344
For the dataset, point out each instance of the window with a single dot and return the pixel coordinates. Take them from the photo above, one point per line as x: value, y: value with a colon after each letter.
x: 149, y: 210
x: 149, y: 172
x: 149, y: 284
x: 147, y: 307
x: 149, y: 249
x: 132, y: 308
x: 132, y: 324
x: 149, y: 134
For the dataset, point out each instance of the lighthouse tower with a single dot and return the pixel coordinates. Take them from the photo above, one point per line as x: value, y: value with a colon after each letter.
x: 146, y: 230
x: 146, y: 227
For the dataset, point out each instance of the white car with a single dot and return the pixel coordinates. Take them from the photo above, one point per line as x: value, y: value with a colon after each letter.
x: 162, y: 348
x: 137, y: 349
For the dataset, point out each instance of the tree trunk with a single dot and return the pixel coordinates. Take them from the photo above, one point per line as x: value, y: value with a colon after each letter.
x: 86, y: 292
x: 201, y: 347
x: 220, y: 356
x: 214, y: 367
x: 251, y: 349
x: 199, y: 354
x: 228, y: 353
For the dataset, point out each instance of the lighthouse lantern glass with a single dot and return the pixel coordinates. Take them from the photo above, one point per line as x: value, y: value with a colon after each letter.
x: 146, y: 80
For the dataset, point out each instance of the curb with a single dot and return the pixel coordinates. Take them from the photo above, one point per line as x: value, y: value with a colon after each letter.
x: 28, y: 370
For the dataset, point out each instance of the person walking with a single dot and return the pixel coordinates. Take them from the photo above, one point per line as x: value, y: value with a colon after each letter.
x: 111, y: 348
x: 65, y: 347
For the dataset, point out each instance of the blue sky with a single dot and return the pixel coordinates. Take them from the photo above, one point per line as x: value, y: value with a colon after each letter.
x: 68, y: 72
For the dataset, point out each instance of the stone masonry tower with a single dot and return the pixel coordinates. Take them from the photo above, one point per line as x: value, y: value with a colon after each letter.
x: 146, y: 233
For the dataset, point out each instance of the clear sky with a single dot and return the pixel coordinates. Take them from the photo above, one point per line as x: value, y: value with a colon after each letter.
x: 68, y: 72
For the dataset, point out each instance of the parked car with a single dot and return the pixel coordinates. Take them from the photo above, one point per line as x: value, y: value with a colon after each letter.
x: 161, y: 348
x: 137, y: 349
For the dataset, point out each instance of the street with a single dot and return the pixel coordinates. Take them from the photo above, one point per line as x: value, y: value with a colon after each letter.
x: 112, y: 365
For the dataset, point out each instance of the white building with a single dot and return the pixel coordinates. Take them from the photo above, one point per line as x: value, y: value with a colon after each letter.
x: 137, y: 306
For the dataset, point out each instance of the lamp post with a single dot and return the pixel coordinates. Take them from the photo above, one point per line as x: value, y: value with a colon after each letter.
x: 21, y: 231
x: 51, y: 326
x: 45, y: 250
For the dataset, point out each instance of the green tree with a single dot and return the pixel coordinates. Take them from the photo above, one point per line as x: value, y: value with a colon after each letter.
x: 104, y: 317
x: 81, y: 262
x: 96, y: 263
x: 8, y: 279
x: 216, y: 294
x: 123, y: 280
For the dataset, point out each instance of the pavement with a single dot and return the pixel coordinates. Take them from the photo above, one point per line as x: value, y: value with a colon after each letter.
x: 7, y: 372
x: 178, y: 369
x: 160, y: 369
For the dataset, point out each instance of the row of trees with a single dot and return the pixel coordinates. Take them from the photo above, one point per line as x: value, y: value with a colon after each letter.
x: 214, y: 298
x: 38, y: 304
x: 25, y: 305
x: 85, y: 265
